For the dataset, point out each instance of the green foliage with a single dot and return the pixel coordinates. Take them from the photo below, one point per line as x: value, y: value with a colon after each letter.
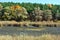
x: 29, y: 11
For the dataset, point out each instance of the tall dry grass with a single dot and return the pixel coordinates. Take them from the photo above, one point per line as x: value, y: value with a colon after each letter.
x: 28, y: 23
x: 21, y: 37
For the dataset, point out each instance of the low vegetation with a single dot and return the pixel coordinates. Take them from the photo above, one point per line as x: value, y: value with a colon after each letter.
x: 29, y: 24
x: 21, y: 37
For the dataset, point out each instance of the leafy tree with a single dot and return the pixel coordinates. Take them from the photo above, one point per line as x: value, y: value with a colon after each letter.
x: 31, y: 11
x: 57, y: 15
x: 38, y: 14
x: 7, y: 12
x: 1, y: 11
x: 48, y: 15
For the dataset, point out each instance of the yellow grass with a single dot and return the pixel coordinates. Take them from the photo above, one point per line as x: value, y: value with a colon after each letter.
x: 28, y: 23
x: 34, y: 29
x: 39, y: 29
x: 21, y: 37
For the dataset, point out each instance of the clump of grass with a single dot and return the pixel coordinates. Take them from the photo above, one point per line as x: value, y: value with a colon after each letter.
x: 50, y: 37
x: 21, y: 37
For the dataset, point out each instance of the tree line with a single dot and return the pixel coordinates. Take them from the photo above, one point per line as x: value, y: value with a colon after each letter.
x: 29, y: 12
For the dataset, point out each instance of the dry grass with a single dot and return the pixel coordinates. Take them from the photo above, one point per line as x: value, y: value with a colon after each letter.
x: 33, y: 29
x: 27, y: 23
x: 43, y: 37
